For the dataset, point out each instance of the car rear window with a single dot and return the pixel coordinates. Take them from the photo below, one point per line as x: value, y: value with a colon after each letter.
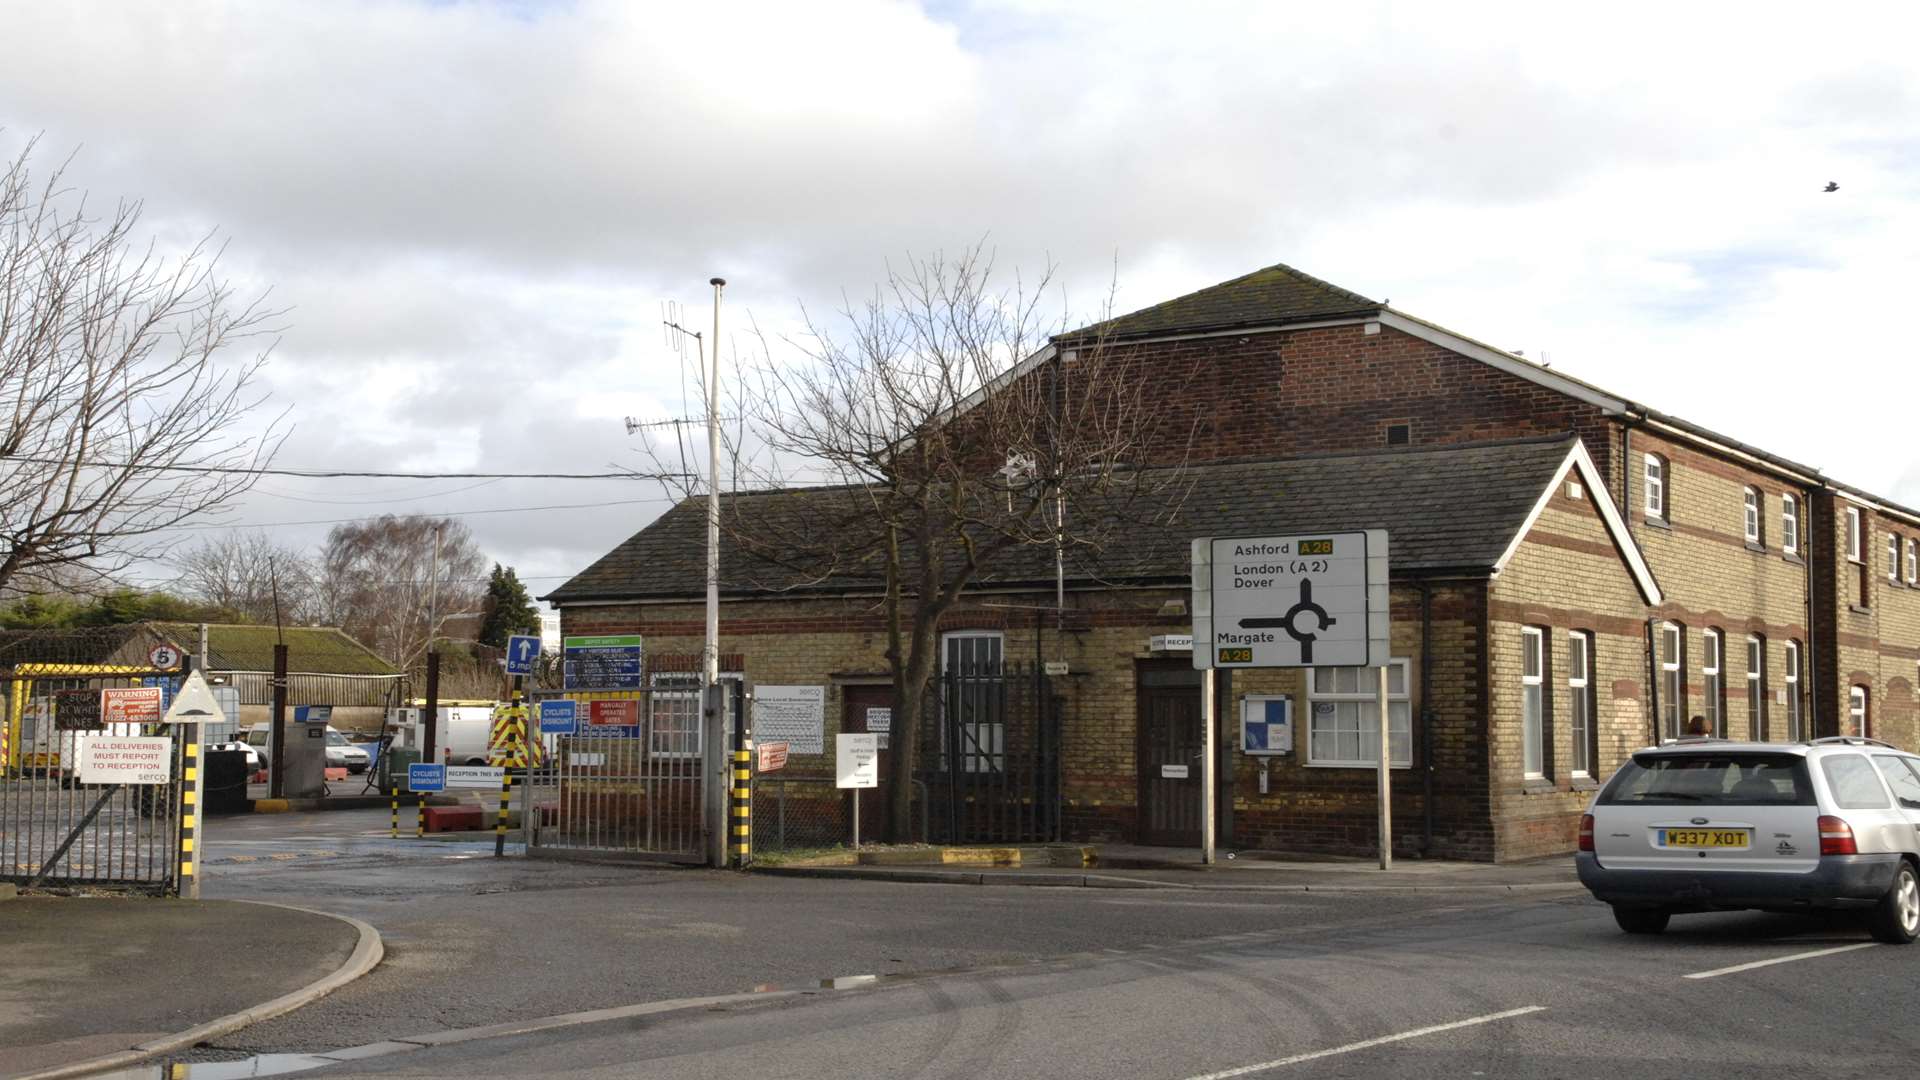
x: 1711, y: 779
x: 1854, y: 783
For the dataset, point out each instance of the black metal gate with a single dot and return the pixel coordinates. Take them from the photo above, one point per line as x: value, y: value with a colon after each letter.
x: 55, y: 830
x: 991, y: 755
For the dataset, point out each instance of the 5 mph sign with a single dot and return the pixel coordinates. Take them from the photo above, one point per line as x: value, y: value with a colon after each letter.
x: 1316, y: 600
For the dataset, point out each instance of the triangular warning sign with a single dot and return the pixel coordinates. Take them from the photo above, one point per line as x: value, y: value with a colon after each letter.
x: 194, y: 703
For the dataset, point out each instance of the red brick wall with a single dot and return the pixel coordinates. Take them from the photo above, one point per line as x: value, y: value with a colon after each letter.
x: 1339, y: 388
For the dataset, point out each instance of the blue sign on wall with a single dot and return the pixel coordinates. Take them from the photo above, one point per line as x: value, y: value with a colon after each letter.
x: 1266, y: 725
x: 602, y: 662
x: 558, y: 717
x: 425, y: 778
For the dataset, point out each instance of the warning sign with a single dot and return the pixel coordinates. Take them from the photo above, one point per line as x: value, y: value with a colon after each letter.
x: 117, y: 759
x: 130, y: 705
x: 773, y: 756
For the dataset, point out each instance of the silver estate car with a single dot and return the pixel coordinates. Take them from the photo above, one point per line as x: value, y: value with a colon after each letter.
x: 1711, y: 825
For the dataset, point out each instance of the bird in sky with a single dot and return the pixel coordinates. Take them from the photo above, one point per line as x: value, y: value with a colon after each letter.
x: 1831, y: 186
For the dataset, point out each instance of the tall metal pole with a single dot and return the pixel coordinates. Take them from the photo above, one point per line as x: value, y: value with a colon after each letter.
x: 1385, y: 771
x: 1206, y: 765
x: 719, y: 761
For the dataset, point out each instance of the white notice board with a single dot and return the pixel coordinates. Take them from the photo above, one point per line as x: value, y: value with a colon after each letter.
x: 125, y: 759
x: 795, y: 715
x: 856, y: 760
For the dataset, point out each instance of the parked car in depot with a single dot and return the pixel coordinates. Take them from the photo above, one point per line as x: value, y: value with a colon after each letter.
x: 1710, y: 825
x: 341, y: 753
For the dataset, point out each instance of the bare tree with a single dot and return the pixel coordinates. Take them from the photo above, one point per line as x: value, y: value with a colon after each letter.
x: 122, y: 417
x: 251, y: 575
x: 377, y: 578
x: 946, y: 430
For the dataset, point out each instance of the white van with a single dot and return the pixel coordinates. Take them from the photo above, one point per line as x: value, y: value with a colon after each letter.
x: 465, y: 732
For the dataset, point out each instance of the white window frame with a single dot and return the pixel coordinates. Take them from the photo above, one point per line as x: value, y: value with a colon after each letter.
x: 1893, y: 557
x: 1399, y: 717
x: 986, y: 747
x: 1713, y: 661
x: 1580, y: 703
x: 1533, y: 703
x: 679, y: 691
x: 1789, y: 524
x: 1672, y: 655
x: 1859, y: 715
x: 1856, y: 542
x: 1913, y: 561
x: 1654, y: 483
x: 1753, y: 516
x: 1756, y: 687
x: 1792, y: 679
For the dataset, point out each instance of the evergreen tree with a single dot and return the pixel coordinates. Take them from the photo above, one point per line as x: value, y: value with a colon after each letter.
x: 508, y: 608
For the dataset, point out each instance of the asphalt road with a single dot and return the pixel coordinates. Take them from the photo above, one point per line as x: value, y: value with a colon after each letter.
x: 1018, y: 982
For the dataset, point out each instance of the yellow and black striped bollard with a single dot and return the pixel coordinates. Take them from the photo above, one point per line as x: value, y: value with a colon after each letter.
x: 393, y: 828
x: 515, y: 733
x: 189, y: 812
x: 742, y: 808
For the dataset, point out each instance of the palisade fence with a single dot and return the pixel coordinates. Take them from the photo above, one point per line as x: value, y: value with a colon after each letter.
x: 988, y: 771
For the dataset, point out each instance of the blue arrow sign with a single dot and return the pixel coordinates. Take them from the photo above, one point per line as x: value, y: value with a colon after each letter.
x: 424, y: 778
x: 558, y: 717
x: 521, y: 651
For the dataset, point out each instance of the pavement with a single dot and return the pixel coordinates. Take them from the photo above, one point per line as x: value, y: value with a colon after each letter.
x: 88, y: 977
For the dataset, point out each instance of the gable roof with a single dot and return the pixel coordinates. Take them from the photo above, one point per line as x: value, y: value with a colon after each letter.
x: 246, y: 647
x: 123, y: 644
x: 1450, y: 510
x: 1270, y: 295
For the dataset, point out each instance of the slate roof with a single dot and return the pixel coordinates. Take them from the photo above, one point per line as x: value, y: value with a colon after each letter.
x: 245, y: 647
x: 1451, y: 509
x: 1266, y: 297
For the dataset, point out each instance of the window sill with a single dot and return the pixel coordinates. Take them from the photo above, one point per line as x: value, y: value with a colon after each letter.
x: 1369, y: 765
x: 1658, y: 523
x: 1756, y: 547
x: 1859, y: 610
x: 1583, y: 783
x: 1537, y: 785
x: 1793, y: 557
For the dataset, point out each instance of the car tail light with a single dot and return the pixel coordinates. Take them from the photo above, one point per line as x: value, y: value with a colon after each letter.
x: 1586, y: 832
x: 1836, y: 837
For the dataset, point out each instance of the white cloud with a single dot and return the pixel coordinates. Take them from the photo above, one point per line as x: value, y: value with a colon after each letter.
x: 473, y: 210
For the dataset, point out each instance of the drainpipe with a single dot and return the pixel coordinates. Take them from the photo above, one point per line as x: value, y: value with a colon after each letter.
x: 1809, y: 707
x: 1653, y: 681
x: 1426, y: 715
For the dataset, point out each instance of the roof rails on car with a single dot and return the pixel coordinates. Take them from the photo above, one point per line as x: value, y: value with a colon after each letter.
x: 1849, y: 740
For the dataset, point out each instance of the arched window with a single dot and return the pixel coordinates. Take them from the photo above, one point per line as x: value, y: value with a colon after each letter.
x: 1656, y: 487
x: 1792, y: 678
x: 1790, y: 524
x: 1753, y: 517
x: 1713, y: 687
x: 1673, y: 682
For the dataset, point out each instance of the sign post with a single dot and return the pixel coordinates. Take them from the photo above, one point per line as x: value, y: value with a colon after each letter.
x: 1316, y: 600
x: 856, y: 760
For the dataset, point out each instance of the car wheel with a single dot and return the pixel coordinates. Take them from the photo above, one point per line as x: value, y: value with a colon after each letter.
x: 1640, y: 920
x: 1896, y: 919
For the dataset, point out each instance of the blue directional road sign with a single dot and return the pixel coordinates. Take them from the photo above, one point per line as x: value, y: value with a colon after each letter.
x: 522, y: 650
x: 558, y: 717
x: 425, y: 778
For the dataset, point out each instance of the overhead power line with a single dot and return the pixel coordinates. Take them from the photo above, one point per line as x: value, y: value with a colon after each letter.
x: 309, y: 474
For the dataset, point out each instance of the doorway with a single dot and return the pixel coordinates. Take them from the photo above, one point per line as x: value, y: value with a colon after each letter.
x: 870, y: 709
x: 1168, y: 696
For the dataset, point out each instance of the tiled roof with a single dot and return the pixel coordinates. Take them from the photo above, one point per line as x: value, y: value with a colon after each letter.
x: 1276, y: 294
x: 1447, y: 508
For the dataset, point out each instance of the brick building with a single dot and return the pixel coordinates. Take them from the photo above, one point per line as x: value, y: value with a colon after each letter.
x: 1574, y: 575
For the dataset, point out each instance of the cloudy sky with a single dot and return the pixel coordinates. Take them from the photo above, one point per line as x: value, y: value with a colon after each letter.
x: 474, y: 211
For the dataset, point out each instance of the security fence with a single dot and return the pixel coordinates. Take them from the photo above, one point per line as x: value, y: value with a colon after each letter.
x: 990, y: 755
x: 55, y: 829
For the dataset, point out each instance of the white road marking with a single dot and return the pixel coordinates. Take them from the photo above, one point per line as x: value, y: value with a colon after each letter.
x: 1369, y: 1043
x: 1779, y: 960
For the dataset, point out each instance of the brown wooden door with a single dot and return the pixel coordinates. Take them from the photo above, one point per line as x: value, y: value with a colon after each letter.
x: 1169, y: 748
x: 864, y: 707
